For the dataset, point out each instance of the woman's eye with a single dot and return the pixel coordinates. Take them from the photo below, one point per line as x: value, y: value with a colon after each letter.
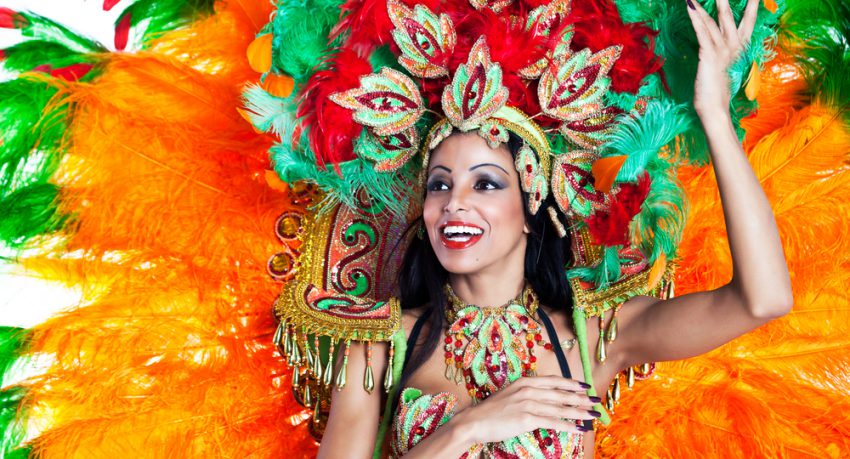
x: 437, y: 185
x: 487, y: 185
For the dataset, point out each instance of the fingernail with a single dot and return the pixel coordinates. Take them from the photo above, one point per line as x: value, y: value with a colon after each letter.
x: 596, y: 399
x: 595, y: 413
x: 585, y: 385
x: 691, y: 4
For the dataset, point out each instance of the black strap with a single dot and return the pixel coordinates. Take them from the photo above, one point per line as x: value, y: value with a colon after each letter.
x: 559, y: 353
x: 414, y: 335
x: 556, y: 344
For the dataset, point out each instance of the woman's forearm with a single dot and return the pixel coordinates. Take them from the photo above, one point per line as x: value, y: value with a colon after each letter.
x: 450, y: 440
x: 760, y: 273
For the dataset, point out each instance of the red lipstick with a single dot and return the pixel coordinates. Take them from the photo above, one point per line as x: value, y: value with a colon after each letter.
x: 458, y: 235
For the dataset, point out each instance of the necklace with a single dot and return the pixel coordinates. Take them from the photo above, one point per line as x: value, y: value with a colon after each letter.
x: 488, y: 348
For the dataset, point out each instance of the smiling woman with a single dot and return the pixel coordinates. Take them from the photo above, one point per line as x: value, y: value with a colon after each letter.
x: 473, y: 209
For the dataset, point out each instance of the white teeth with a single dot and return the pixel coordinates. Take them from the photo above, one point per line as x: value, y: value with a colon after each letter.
x: 461, y: 232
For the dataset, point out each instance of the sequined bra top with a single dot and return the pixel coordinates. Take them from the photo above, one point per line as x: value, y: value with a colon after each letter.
x: 419, y: 415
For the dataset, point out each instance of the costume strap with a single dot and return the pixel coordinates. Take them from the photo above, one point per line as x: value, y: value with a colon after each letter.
x: 580, y: 323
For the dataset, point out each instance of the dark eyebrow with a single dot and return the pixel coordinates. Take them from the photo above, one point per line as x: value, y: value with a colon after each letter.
x: 489, y: 164
x: 440, y: 167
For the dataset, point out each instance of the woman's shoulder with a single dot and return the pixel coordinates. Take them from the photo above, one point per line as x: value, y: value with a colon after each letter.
x: 409, y: 316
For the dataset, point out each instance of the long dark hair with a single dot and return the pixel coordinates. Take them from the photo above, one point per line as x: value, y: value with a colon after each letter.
x: 421, y: 277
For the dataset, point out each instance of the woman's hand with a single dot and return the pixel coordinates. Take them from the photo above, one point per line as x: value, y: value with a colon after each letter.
x: 719, y: 46
x: 529, y: 403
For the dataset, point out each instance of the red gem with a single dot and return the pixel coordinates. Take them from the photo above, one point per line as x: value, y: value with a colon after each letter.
x: 537, y: 196
x: 421, y: 430
x: 532, y: 359
x: 458, y: 343
x: 529, y: 344
x: 494, y: 131
x: 538, y: 337
x: 457, y: 358
x: 547, y: 441
x: 523, y: 319
x: 448, y: 339
x: 548, y: 346
x: 448, y: 354
x: 528, y: 168
x: 469, y: 386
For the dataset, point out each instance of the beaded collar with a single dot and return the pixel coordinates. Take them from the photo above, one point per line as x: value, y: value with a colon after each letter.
x: 488, y: 348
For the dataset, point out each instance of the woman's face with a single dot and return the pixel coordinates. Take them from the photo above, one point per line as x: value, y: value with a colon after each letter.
x: 473, y: 208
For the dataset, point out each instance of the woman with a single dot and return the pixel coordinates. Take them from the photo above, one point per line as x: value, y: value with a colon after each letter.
x: 474, y: 187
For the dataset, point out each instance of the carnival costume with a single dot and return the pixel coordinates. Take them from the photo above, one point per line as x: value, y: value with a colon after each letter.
x: 135, y: 177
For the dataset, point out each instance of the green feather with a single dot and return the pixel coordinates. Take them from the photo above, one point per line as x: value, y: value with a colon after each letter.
x: 659, y: 225
x: 269, y: 113
x: 604, y: 273
x: 355, y: 175
x: 14, y: 342
x: 30, y: 150
x: 161, y: 16
x: 27, y: 55
x: 301, y: 30
x: 48, y: 30
x: 12, y: 430
x: 642, y: 137
x: 824, y: 27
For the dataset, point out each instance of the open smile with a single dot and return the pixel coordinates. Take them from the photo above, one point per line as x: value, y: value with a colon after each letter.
x: 458, y: 235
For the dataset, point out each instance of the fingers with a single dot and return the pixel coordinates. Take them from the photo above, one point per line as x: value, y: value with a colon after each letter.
x: 708, y: 33
x: 727, y: 22
x: 561, y: 425
x: 569, y: 399
x: 548, y: 410
x: 748, y: 23
x: 551, y: 382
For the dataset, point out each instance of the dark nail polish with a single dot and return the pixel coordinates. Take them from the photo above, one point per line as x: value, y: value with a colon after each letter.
x: 596, y: 399
x: 691, y: 4
x: 583, y: 429
x: 585, y: 385
x: 595, y: 413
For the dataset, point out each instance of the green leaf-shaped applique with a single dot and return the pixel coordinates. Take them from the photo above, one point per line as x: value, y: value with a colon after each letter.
x: 476, y: 92
x: 426, y: 40
x: 540, y: 23
x: 573, y: 90
x: 572, y: 184
x: 389, y: 102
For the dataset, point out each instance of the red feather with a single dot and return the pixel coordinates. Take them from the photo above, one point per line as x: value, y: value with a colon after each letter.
x: 330, y: 127
x: 598, y: 25
x: 72, y: 72
x: 122, y: 32
x: 611, y: 227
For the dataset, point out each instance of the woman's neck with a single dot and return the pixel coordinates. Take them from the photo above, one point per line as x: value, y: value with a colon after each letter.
x: 488, y: 289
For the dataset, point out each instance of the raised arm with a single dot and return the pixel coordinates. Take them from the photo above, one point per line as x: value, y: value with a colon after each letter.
x: 760, y: 289
x: 352, y: 426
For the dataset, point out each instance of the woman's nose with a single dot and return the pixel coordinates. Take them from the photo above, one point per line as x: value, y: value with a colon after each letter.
x: 457, y: 201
